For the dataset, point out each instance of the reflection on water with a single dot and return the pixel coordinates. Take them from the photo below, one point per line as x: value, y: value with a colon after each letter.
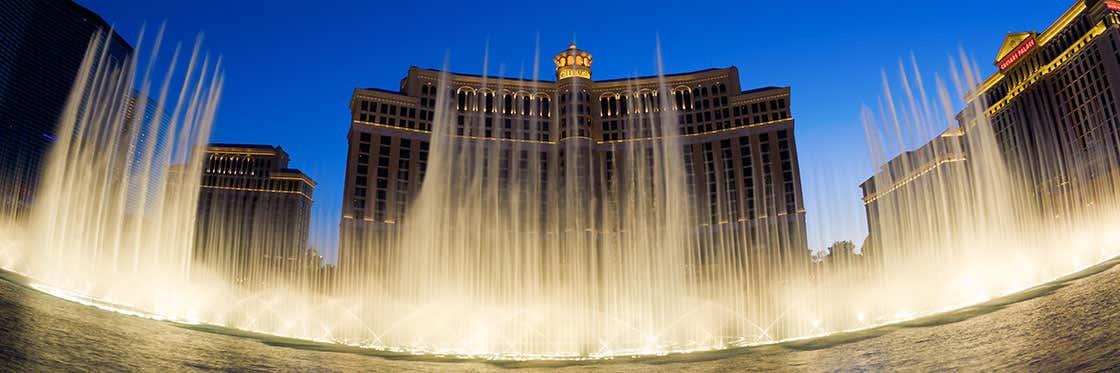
x: 1065, y: 325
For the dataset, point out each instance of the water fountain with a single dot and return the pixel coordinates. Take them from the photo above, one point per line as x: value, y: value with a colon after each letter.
x: 483, y: 268
x: 93, y: 236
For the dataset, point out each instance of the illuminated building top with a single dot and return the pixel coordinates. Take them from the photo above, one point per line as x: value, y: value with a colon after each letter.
x: 1026, y: 58
x: 253, y: 168
x: 1015, y: 46
x: 252, y: 183
x: 573, y: 63
x: 1055, y: 89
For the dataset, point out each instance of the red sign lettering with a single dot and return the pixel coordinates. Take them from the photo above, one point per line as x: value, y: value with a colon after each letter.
x: 1019, y: 52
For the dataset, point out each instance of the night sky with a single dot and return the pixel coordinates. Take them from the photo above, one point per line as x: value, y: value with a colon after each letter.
x: 291, y: 66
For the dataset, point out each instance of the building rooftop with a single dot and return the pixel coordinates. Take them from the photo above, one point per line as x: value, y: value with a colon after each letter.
x: 96, y: 19
x: 300, y: 174
x: 382, y: 90
x: 761, y: 89
x: 245, y: 146
x: 481, y: 76
x: 553, y: 81
x: 252, y: 149
x: 666, y: 75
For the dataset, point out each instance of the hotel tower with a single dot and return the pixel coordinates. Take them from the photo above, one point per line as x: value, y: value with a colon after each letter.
x: 1052, y: 107
x: 739, y: 156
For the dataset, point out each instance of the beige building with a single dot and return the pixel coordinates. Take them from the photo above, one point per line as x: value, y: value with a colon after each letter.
x: 1053, y: 110
x: 253, y: 215
x: 738, y: 144
x: 1053, y: 105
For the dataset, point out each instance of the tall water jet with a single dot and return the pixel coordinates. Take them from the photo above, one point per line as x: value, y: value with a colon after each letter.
x: 111, y: 222
x: 958, y: 220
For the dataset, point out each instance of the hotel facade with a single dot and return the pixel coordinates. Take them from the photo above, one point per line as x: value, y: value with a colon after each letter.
x: 913, y: 193
x: 1054, y: 114
x: 1052, y: 104
x: 254, y: 215
x: 738, y: 146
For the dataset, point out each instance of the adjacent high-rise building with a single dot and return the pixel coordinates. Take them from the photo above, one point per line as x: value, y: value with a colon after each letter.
x: 1053, y: 110
x: 739, y: 153
x: 44, y: 42
x: 253, y: 215
x: 1052, y: 104
x: 897, y: 198
x: 151, y: 130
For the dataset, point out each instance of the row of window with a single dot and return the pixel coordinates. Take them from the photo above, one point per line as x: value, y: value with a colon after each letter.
x: 388, y: 114
x: 509, y: 104
x: 723, y: 201
x: 645, y: 101
x: 237, y: 164
x: 705, y: 121
x: 255, y: 184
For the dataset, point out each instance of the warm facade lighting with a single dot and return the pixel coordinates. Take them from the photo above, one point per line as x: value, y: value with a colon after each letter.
x: 1020, y: 51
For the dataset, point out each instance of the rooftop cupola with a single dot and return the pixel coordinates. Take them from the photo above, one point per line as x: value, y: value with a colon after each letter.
x: 573, y: 63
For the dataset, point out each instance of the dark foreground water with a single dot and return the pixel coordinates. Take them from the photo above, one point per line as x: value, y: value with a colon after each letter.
x: 1071, y: 324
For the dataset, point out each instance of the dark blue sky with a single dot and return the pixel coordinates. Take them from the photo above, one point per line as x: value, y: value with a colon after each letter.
x: 292, y: 65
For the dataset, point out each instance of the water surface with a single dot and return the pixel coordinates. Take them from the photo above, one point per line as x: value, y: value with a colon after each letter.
x: 1071, y: 324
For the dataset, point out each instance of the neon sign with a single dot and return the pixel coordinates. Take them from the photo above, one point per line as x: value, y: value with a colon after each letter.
x: 1112, y: 5
x: 1019, y: 52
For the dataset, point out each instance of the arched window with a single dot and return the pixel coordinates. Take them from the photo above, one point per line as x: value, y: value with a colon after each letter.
x: 526, y: 105
x: 462, y: 101
x: 507, y: 106
x: 614, y: 105
x: 489, y: 102
x: 623, y: 108
x: 605, y: 109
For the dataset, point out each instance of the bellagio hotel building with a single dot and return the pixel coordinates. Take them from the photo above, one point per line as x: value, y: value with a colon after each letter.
x: 738, y: 144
